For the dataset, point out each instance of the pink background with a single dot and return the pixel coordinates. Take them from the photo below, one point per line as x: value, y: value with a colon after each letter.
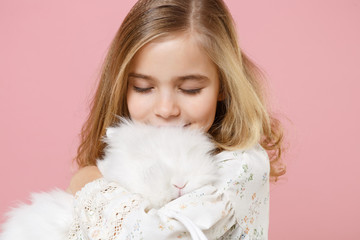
x: 51, y: 51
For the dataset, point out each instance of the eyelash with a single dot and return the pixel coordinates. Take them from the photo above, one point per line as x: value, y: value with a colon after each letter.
x: 191, y: 91
x: 142, y: 90
x: 186, y: 91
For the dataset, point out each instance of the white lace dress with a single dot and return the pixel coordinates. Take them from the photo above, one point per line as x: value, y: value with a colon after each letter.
x: 237, y: 207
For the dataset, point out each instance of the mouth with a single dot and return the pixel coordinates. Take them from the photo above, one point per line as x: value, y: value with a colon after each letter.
x: 186, y: 125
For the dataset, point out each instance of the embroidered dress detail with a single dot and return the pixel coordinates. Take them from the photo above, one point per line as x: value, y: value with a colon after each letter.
x: 237, y: 207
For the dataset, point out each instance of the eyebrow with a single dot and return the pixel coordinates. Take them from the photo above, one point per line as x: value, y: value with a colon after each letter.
x: 197, y: 77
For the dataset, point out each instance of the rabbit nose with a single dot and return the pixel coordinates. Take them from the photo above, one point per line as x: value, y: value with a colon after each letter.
x: 179, y: 187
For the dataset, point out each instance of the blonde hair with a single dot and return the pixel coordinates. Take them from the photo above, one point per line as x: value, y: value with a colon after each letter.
x: 242, y: 118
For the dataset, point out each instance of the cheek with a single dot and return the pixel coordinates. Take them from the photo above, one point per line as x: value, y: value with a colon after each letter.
x: 203, y: 110
x: 138, y: 106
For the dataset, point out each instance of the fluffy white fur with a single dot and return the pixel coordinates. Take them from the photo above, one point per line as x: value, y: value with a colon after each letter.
x: 154, y: 160
x: 48, y: 217
x: 143, y: 159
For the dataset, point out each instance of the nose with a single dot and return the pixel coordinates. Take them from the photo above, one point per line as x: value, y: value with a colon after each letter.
x: 167, y: 107
x: 179, y: 186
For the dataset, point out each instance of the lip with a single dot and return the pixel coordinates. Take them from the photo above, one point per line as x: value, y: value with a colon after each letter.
x: 186, y: 125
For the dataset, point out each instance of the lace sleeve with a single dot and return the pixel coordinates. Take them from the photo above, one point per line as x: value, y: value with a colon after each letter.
x: 245, y: 182
x: 104, y: 210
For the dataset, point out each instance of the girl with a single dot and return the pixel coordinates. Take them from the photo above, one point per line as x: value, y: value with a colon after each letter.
x: 178, y: 62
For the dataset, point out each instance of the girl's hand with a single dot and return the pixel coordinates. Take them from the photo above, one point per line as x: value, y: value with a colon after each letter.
x: 82, y: 177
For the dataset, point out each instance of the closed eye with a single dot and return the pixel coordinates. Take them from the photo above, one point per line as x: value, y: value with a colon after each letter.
x: 142, y: 90
x: 191, y: 91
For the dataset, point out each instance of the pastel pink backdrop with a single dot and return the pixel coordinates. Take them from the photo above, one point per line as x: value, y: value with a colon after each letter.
x: 51, y: 53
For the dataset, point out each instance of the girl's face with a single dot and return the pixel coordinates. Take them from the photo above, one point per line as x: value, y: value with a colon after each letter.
x: 173, y: 82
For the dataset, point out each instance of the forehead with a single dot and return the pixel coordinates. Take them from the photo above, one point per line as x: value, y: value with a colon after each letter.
x: 174, y: 54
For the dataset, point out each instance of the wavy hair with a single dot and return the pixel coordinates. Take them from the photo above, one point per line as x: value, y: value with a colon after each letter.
x: 242, y: 118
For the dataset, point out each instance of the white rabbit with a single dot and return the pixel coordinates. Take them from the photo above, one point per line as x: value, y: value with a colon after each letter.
x: 160, y: 163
